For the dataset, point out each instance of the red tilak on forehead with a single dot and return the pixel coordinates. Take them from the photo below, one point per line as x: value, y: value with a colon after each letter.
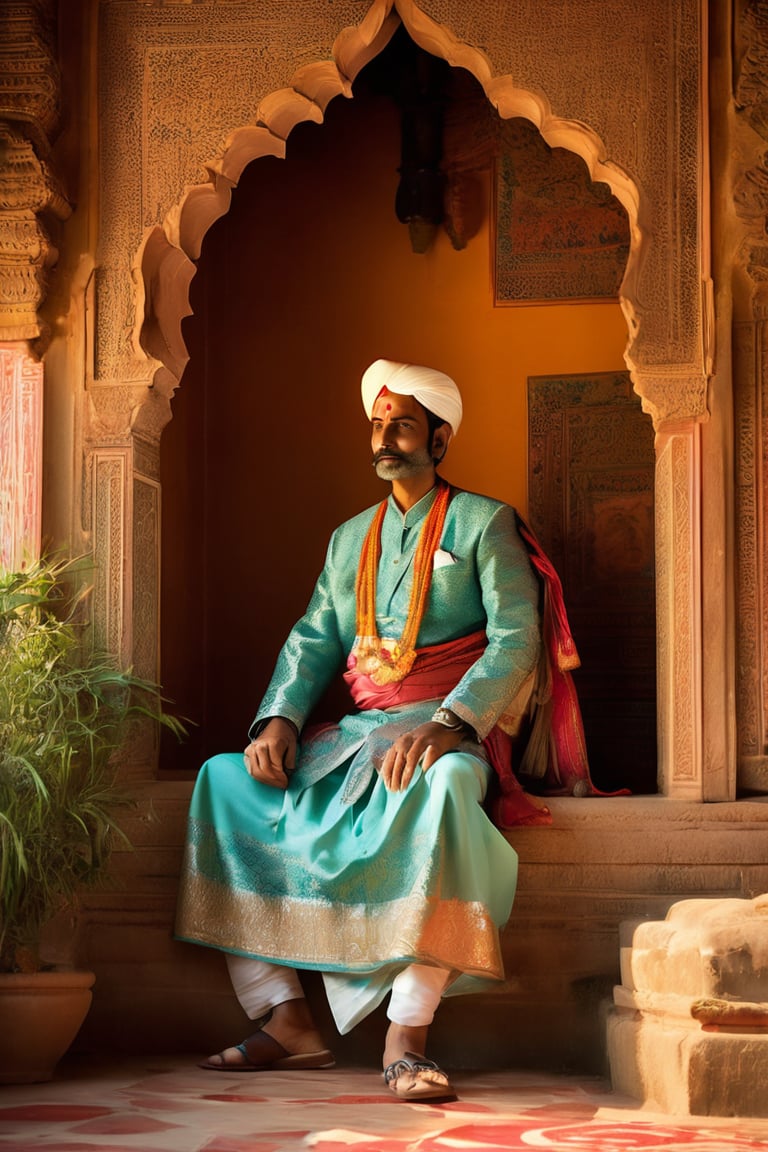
x: 384, y: 392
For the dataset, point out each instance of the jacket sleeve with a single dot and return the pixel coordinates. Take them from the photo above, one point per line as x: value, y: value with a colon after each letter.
x: 510, y: 594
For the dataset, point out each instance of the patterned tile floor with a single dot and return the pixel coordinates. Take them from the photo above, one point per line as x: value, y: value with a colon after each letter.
x: 169, y: 1105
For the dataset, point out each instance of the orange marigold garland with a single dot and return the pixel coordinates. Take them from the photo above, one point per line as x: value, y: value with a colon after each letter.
x: 385, y: 664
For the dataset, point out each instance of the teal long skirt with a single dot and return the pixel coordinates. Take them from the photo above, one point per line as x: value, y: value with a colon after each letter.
x: 357, y: 890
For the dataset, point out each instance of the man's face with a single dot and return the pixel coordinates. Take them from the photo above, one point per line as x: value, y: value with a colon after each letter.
x: 399, y: 437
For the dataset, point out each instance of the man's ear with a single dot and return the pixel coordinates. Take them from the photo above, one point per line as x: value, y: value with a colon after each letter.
x: 440, y: 440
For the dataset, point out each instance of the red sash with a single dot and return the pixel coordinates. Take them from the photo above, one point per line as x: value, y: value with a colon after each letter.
x: 555, y: 754
x: 435, y: 672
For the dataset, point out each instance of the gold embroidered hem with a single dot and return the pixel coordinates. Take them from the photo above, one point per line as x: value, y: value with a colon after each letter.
x: 330, y: 938
x: 354, y: 890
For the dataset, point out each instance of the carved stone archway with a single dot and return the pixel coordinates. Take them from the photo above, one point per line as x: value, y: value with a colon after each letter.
x: 650, y: 140
x: 219, y: 82
x: 164, y: 264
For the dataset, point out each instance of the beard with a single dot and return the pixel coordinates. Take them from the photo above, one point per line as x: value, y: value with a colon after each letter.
x: 402, y: 464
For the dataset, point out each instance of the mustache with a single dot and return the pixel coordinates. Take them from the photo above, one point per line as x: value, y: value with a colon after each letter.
x: 385, y: 453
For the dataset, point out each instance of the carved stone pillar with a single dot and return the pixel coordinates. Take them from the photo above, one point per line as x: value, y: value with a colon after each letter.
x: 121, y: 506
x: 678, y: 598
x: 30, y: 201
x: 750, y: 373
x: 21, y: 427
x: 751, y: 456
x: 121, y: 517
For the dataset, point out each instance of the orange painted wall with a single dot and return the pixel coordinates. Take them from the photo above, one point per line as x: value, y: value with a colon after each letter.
x: 300, y: 286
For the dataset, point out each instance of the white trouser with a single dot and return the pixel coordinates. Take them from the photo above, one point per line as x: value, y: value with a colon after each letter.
x: 259, y: 986
x: 416, y: 993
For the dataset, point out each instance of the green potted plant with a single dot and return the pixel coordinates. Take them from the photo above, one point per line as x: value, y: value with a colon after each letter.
x: 65, y: 710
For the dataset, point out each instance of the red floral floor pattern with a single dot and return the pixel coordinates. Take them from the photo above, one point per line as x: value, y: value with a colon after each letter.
x: 172, y: 1106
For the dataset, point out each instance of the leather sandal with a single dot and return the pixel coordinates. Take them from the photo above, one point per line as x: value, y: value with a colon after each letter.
x: 262, y: 1053
x: 417, y: 1079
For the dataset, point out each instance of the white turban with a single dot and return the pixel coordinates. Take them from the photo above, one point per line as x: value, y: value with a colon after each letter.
x: 433, y: 389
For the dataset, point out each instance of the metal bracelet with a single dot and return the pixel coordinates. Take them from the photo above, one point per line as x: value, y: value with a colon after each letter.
x: 448, y: 719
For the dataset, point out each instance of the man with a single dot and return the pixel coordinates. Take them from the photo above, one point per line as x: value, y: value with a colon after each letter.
x: 361, y: 849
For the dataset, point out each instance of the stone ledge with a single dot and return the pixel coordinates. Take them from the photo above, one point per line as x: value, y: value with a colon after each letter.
x: 572, y: 813
x: 670, y: 1005
x: 715, y: 947
x: 677, y: 1068
x: 568, y: 811
x: 706, y: 952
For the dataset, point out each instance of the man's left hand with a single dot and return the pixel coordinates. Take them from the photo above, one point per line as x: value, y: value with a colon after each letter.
x: 427, y: 743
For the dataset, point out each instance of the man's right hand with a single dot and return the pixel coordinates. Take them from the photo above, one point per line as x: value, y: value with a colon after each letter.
x: 271, y: 755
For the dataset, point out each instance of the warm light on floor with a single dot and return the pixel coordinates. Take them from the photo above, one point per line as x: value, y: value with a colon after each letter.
x: 169, y: 1105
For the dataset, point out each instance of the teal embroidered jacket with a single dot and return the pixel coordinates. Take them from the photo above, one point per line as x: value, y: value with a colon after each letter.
x: 482, y: 579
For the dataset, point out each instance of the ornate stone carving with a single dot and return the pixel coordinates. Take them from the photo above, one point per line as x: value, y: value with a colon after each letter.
x: 749, y: 563
x: 173, y: 109
x: 146, y: 457
x: 28, y: 193
x: 677, y: 551
x: 21, y: 425
x: 106, y: 519
x: 632, y: 116
x: 122, y: 519
x: 29, y: 114
x: 672, y: 395
x: 751, y: 93
x: 146, y: 576
x: 751, y: 467
x: 113, y: 410
x: 751, y: 99
x: 29, y: 76
x: 620, y: 85
x: 751, y: 395
x: 640, y: 137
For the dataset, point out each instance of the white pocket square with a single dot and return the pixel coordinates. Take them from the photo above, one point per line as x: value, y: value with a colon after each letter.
x: 443, y: 558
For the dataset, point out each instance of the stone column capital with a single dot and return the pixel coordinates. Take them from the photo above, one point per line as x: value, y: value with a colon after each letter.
x: 30, y: 195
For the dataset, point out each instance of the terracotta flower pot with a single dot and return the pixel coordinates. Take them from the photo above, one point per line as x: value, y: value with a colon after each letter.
x: 40, y: 1015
